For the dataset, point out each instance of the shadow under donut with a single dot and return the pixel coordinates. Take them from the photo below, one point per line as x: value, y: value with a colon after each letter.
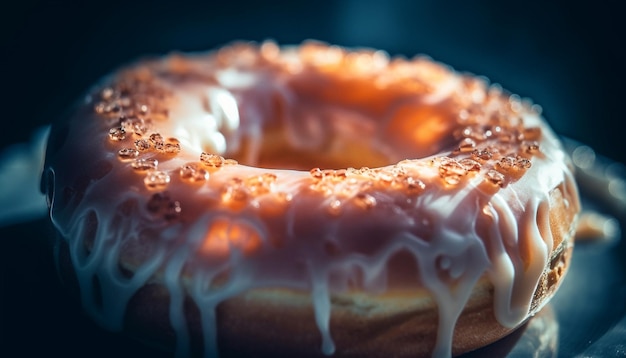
x: 539, y: 337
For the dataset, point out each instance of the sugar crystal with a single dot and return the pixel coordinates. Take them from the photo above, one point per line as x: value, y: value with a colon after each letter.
x: 143, y: 164
x: 117, y: 134
x: 156, y: 179
x: 212, y: 160
x: 127, y: 153
x: 156, y: 139
x: 530, y: 147
x: 142, y: 145
x: 481, y: 154
x: 495, y: 177
x: 466, y: 145
x: 193, y: 172
x: 316, y: 173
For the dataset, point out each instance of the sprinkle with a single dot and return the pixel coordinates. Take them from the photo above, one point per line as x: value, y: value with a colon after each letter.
x: 117, y: 134
x: 127, y: 153
x: 481, y: 155
x: 466, y: 145
x: 451, y: 171
x: 212, y: 160
x: 142, y: 164
x: 505, y: 163
x: 495, y: 177
x: 142, y: 145
x: 414, y: 185
x: 134, y: 125
x: 169, y: 148
x: 156, y: 139
x: 192, y: 172
x: 316, y: 173
x: 522, y: 163
x: 156, y: 179
x: 530, y: 147
x: 470, y: 165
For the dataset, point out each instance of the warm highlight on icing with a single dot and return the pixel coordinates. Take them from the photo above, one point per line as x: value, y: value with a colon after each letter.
x: 241, y: 169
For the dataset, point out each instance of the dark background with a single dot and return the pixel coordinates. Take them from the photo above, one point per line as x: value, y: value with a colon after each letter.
x: 568, y: 57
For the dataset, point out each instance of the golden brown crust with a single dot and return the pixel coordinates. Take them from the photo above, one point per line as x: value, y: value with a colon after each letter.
x: 281, y: 322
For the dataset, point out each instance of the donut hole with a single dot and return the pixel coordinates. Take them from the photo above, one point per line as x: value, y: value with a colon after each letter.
x: 280, y: 154
x: 329, y: 139
x: 338, y: 132
x: 312, y: 120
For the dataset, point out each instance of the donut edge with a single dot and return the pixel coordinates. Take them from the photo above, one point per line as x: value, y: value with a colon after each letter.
x: 276, y: 322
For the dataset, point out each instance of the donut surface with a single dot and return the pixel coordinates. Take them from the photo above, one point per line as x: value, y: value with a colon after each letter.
x: 309, y: 201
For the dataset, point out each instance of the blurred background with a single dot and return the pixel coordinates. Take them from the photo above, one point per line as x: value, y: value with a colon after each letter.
x: 568, y: 57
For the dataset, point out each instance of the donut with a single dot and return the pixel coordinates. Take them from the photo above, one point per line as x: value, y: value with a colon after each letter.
x: 308, y: 201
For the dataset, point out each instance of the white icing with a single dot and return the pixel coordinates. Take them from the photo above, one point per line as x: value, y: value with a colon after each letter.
x: 206, y: 119
x: 232, y: 78
x: 209, y: 120
x: 321, y: 304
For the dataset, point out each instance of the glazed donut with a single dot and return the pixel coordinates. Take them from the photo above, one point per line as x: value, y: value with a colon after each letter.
x: 308, y: 201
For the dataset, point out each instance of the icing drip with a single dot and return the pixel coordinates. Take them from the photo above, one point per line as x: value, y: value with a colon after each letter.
x: 173, y: 283
x: 219, y: 230
x: 321, y: 304
x: 467, y: 254
x: 106, y: 300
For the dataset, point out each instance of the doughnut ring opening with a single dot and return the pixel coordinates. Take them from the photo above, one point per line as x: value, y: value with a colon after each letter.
x: 308, y: 201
